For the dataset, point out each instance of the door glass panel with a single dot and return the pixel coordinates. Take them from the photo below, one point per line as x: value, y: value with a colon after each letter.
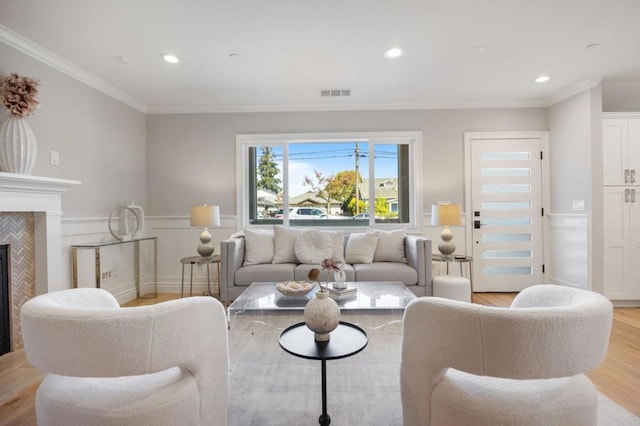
x: 506, y: 205
x: 505, y: 254
x: 506, y: 172
x: 507, y: 270
x: 496, y: 238
x: 505, y: 189
x: 506, y: 221
x: 506, y: 156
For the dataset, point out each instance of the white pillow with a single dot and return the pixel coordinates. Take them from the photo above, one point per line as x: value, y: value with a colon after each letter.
x: 312, y: 247
x: 285, y: 239
x: 337, y: 237
x: 258, y: 246
x: 361, y: 248
x: 390, y: 246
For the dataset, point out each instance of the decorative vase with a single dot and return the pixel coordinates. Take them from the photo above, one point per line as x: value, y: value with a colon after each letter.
x: 322, y: 315
x: 340, y: 277
x: 18, y: 148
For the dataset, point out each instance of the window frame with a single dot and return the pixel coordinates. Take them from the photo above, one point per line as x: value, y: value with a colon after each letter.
x: 412, y: 138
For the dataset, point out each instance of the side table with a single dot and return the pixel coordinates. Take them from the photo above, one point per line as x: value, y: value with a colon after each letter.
x: 198, y: 260
x: 457, y: 258
x: 346, y: 340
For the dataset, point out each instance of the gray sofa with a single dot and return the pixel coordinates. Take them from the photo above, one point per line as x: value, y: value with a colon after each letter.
x: 415, y: 273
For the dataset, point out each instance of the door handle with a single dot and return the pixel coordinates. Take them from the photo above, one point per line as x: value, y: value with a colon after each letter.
x: 633, y: 195
x: 626, y: 195
x: 626, y: 175
x: 476, y: 224
x: 633, y: 176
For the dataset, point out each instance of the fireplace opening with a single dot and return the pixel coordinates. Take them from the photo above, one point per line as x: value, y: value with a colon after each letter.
x: 5, y: 327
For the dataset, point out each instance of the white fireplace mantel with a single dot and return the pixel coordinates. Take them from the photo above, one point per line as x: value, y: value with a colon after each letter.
x: 43, y: 197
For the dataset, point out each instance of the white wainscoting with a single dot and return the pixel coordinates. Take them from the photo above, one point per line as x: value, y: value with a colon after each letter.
x: 569, y: 234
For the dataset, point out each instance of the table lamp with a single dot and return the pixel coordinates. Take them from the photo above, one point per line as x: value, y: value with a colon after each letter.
x: 446, y: 214
x: 205, y: 216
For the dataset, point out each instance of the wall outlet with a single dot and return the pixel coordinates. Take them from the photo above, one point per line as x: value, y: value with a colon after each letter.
x: 578, y: 205
x: 106, y: 275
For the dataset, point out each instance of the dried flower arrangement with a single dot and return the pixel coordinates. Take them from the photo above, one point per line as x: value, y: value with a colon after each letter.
x: 19, y: 94
x: 329, y: 265
x: 314, y: 275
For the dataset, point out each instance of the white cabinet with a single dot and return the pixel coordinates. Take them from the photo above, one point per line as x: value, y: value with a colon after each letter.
x: 622, y: 242
x: 621, y: 151
x: 621, y: 198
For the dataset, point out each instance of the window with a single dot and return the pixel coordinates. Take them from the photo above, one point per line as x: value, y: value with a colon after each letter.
x: 352, y: 179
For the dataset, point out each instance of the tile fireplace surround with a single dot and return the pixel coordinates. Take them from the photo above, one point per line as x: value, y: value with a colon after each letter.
x: 41, y: 197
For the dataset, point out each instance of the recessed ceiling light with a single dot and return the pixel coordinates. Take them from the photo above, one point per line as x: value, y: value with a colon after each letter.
x: 394, y: 52
x: 168, y: 57
x: 542, y: 79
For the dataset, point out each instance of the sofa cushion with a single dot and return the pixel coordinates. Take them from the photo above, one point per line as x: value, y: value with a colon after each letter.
x: 284, y: 241
x: 301, y: 273
x: 258, y: 246
x: 361, y: 247
x: 386, y: 271
x: 390, y: 246
x: 264, y: 273
x: 313, y: 246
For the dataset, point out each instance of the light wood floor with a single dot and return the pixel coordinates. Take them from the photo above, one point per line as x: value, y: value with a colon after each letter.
x: 618, y: 377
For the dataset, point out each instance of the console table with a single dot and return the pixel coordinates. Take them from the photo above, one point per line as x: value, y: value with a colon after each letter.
x: 98, y: 276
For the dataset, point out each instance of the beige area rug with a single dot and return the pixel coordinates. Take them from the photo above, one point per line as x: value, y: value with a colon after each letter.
x: 272, y: 387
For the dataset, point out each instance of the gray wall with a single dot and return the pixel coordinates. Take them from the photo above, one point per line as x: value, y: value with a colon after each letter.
x: 570, y: 157
x: 101, y: 141
x: 191, y: 157
x: 621, y: 95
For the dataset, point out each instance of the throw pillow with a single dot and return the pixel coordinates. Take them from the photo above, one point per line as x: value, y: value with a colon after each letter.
x: 338, y: 245
x: 361, y: 248
x: 312, y: 247
x: 390, y: 246
x: 258, y: 246
x: 284, y: 242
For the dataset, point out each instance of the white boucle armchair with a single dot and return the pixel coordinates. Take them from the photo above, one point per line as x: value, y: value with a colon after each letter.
x: 467, y: 364
x: 164, y: 364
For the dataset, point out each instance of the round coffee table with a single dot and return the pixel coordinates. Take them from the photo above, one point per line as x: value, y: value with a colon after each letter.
x: 346, y: 340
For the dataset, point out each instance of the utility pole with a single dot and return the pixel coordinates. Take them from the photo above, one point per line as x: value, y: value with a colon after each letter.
x: 356, y: 180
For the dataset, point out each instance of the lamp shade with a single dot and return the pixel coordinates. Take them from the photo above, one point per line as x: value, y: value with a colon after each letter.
x: 205, y: 215
x: 446, y: 214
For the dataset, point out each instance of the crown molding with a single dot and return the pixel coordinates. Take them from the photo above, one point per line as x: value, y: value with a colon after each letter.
x: 49, y: 58
x: 586, y: 84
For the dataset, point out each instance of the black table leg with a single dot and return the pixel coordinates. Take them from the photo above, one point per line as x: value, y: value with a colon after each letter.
x: 324, y: 419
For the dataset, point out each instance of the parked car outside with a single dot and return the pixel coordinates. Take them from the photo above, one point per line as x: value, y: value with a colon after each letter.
x: 366, y: 216
x: 306, y: 213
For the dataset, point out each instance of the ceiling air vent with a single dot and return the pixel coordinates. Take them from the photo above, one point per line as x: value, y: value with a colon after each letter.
x: 335, y: 92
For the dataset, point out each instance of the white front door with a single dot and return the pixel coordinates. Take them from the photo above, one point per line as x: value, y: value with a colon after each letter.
x: 505, y: 209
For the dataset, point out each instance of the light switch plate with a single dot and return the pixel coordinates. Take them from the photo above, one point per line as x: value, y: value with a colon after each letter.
x: 55, y: 158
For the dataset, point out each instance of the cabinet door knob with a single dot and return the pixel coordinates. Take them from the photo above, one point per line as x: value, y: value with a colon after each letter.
x: 626, y: 175
x: 633, y: 176
x: 633, y: 195
x: 626, y: 195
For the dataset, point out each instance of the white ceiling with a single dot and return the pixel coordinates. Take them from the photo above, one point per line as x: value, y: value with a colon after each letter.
x: 288, y: 50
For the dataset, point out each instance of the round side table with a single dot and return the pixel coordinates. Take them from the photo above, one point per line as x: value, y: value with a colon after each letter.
x: 346, y: 340
x: 198, y: 260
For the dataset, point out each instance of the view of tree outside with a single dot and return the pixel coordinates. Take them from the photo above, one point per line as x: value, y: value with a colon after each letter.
x: 269, y: 172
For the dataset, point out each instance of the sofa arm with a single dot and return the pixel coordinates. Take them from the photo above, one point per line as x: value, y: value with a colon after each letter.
x: 231, y: 259
x: 418, y: 253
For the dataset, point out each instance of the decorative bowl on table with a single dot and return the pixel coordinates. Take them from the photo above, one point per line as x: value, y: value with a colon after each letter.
x: 295, y: 288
